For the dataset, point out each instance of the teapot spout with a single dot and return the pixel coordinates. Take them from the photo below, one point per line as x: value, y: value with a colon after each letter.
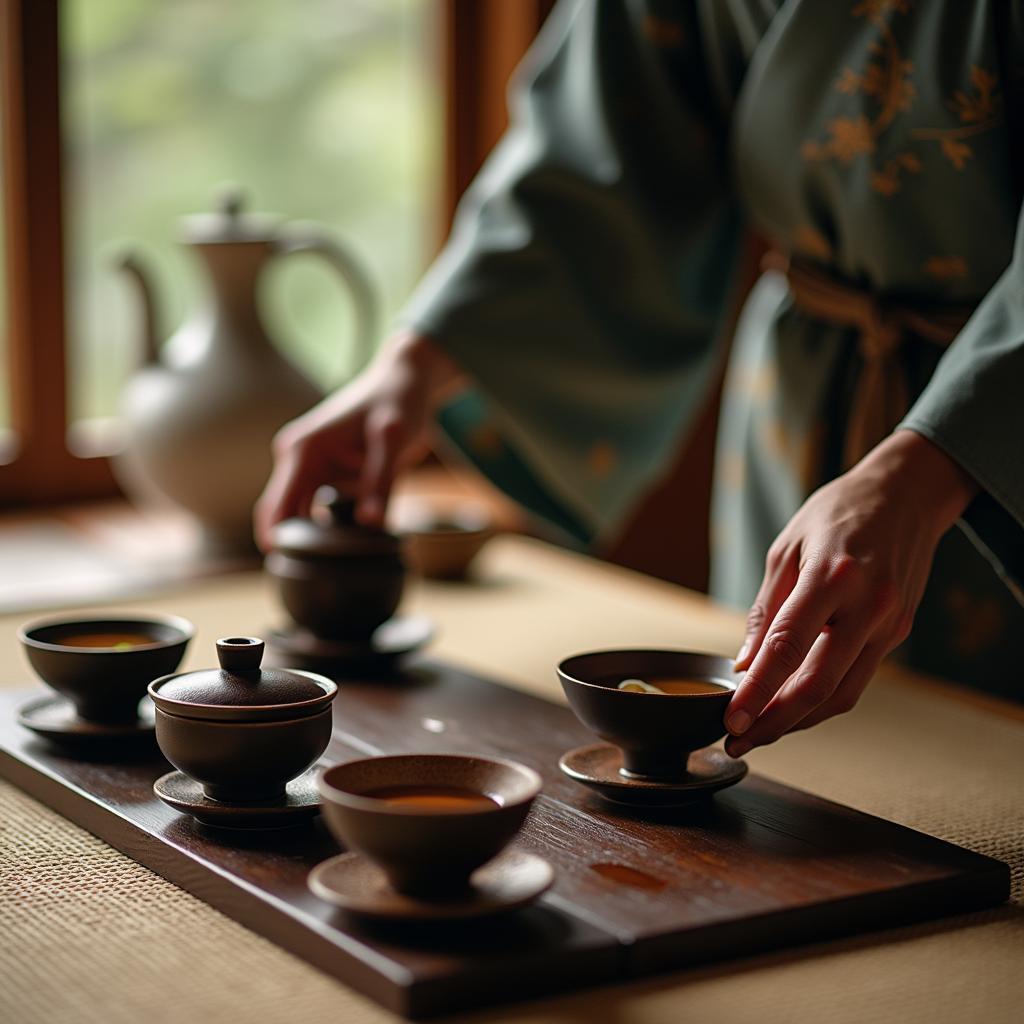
x: 135, y: 269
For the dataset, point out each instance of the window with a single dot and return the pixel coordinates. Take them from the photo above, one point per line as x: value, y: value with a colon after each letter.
x: 131, y: 113
x: 325, y: 110
x: 6, y: 436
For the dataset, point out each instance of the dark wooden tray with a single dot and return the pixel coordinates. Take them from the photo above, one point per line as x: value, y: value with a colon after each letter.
x: 762, y: 866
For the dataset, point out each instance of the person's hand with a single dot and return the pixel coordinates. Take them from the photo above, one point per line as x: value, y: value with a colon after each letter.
x: 841, y: 585
x: 360, y: 437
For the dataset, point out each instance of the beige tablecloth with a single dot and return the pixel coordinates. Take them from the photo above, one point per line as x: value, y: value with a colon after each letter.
x: 87, y: 935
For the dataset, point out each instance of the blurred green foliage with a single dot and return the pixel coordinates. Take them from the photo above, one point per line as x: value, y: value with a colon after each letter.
x: 327, y: 110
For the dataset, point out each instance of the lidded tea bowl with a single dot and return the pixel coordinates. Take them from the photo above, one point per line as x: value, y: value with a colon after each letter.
x: 241, y: 731
x: 337, y: 578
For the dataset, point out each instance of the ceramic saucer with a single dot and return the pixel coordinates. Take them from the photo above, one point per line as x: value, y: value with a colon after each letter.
x: 597, y: 766
x: 390, y: 641
x: 300, y: 802
x: 55, y: 718
x: 356, y: 884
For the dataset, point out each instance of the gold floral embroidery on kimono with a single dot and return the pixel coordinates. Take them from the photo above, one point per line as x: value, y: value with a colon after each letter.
x: 888, y: 80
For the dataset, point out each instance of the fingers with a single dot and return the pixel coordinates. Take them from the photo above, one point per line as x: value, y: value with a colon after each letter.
x: 355, y: 439
x: 850, y: 689
x: 786, y: 643
x: 289, y: 492
x: 385, y: 441
x: 302, y: 464
x: 780, y: 576
x: 831, y: 658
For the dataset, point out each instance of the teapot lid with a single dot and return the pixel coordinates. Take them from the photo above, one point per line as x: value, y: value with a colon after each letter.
x: 240, y: 689
x: 338, y: 535
x: 230, y: 223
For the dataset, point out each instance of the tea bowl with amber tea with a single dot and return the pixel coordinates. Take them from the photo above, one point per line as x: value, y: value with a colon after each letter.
x: 104, y: 665
x: 656, y: 706
x: 427, y: 820
x: 241, y: 731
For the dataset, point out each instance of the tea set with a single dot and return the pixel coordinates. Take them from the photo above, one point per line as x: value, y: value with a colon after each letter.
x: 426, y: 835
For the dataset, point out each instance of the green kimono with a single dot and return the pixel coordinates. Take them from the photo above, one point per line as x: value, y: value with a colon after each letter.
x: 586, y: 280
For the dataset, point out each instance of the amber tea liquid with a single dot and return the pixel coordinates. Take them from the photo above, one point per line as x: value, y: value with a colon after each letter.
x: 119, y: 641
x: 434, y: 798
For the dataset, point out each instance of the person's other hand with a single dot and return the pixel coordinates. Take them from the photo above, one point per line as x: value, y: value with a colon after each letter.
x: 841, y: 585
x: 360, y: 437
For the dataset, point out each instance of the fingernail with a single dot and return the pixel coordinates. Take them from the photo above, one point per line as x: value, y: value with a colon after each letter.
x: 744, y: 651
x: 738, y: 722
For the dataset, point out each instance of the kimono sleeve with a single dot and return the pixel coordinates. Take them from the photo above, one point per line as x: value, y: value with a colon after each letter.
x: 582, y: 285
x: 973, y: 408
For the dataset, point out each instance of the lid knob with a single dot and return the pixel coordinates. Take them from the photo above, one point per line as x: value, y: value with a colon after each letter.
x: 240, y: 653
x: 230, y: 201
x: 340, y: 507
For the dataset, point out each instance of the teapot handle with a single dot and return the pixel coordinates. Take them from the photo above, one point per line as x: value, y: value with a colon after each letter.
x: 302, y: 238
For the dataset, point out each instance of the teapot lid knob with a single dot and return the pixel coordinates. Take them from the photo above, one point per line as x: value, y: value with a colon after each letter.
x: 230, y: 221
x: 231, y: 201
x: 240, y: 653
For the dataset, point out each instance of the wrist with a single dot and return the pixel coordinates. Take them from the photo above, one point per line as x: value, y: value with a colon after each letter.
x: 429, y: 366
x: 919, y: 471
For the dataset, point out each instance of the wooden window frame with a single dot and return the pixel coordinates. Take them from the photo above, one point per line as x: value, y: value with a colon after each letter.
x: 481, y: 41
x: 38, y: 467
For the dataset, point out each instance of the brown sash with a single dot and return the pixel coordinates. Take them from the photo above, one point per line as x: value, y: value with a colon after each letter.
x: 881, y: 398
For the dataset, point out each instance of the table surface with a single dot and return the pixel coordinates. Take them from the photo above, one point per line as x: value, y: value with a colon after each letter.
x: 86, y: 934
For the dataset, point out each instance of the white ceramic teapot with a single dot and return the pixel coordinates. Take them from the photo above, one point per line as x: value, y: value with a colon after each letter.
x: 203, y: 409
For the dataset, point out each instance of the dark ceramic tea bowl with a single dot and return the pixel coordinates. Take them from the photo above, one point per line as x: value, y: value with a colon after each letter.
x: 337, y: 578
x: 103, y: 665
x: 656, y: 732
x: 423, y: 851
x: 442, y: 543
x: 241, y: 731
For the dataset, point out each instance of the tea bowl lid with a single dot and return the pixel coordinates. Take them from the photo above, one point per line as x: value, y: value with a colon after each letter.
x: 240, y: 689
x: 335, y: 535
